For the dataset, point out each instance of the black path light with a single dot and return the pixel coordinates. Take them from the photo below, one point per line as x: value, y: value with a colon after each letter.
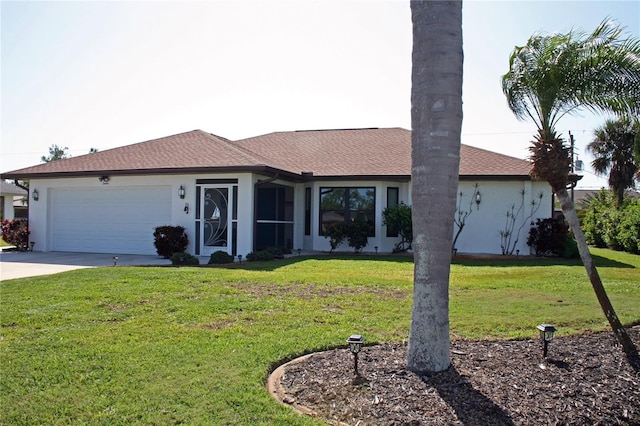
x: 546, y: 335
x: 355, y: 342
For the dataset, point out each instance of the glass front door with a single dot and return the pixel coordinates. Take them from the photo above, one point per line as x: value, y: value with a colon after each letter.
x: 216, y: 230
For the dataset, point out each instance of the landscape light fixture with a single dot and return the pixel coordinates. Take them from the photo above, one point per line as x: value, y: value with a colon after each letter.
x: 181, y: 192
x: 376, y: 247
x: 546, y: 335
x: 299, y: 251
x: 35, y: 195
x: 115, y: 260
x: 355, y: 342
x: 240, y: 258
x: 33, y: 243
x: 478, y: 199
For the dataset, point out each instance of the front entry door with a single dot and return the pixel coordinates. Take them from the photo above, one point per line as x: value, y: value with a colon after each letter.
x: 216, y: 229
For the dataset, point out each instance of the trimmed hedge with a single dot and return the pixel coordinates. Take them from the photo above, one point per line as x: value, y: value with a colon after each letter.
x: 185, y: 259
x: 220, y: 257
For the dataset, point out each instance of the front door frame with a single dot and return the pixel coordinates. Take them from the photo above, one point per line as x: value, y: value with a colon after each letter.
x: 207, y: 250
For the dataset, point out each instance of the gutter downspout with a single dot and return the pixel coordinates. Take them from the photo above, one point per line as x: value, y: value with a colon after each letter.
x: 26, y: 188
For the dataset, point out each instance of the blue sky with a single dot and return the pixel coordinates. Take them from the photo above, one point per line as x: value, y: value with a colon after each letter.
x: 106, y: 74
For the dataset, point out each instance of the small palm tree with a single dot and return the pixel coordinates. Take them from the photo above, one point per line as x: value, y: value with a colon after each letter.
x: 558, y: 74
x: 613, y: 147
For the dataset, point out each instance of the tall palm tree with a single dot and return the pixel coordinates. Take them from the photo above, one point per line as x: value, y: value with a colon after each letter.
x: 436, y: 119
x: 556, y: 75
x: 613, y: 147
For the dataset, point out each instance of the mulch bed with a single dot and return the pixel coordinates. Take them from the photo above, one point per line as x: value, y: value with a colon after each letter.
x: 585, y: 380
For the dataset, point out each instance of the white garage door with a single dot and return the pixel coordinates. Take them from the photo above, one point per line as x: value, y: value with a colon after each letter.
x: 108, y: 220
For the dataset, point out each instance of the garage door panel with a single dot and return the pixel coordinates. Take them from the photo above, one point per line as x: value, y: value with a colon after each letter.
x: 118, y: 220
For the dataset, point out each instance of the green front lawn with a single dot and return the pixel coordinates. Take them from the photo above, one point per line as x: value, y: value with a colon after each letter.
x: 153, y: 345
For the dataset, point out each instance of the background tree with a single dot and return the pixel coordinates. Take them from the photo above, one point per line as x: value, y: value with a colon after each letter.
x: 55, y: 153
x: 436, y: 120
x: 556, y: 75
x: 614, y: 147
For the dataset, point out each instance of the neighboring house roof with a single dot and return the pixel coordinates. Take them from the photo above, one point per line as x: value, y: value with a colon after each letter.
x: 325, y: 153
x: 582, y: 196
x: 11, y: 189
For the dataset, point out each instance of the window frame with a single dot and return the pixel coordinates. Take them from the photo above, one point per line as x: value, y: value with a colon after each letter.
x: 346, y: 211
x: 391, y: 232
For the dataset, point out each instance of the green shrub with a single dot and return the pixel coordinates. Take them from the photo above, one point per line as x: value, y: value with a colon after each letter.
x: 262, y: 255
x: 399, y: 222
x: 169, y: 240
x: 336, y: 233
x: 629, y: 228
x: 570, y: 248
x: 593, y: 222
x: 184, y: 259
x: 220, y: 257
x: 610, y: 221
x: 358, y: 234
x: 276, y: 252
x: 606, y: 225
x: 16, y: 232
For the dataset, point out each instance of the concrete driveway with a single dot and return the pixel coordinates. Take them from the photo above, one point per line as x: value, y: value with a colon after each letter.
x: 15, y: 264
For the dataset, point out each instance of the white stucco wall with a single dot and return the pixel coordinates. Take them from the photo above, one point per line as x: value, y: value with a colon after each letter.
x: 7, y: 206
x: 40, y: 211
x: 481, y: 233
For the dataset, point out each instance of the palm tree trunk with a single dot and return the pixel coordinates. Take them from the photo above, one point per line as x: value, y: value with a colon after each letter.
x: 436, y: 118
x: 618, y: 329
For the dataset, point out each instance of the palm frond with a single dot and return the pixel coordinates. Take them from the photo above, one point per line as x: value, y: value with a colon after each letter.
x: 552, y: 76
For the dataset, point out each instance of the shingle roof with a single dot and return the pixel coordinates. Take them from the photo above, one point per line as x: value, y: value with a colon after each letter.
x: 367, y: 152
x: 11, y: 189
x: 190, y: 150
x: 359, y: 152
x: 339, y: 153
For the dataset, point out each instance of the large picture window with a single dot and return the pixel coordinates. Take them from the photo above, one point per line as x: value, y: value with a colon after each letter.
x: 347, y: 205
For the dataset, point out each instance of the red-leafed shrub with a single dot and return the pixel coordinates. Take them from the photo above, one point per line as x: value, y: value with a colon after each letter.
x: 169, y: 240
x: 16, y: 232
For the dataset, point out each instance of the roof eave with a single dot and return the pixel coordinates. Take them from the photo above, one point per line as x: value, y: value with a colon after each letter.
x: 153, y: 171
x: 497, y: 177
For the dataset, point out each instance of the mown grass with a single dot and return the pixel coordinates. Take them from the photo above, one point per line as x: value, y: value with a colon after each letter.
x: 133, y: 345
